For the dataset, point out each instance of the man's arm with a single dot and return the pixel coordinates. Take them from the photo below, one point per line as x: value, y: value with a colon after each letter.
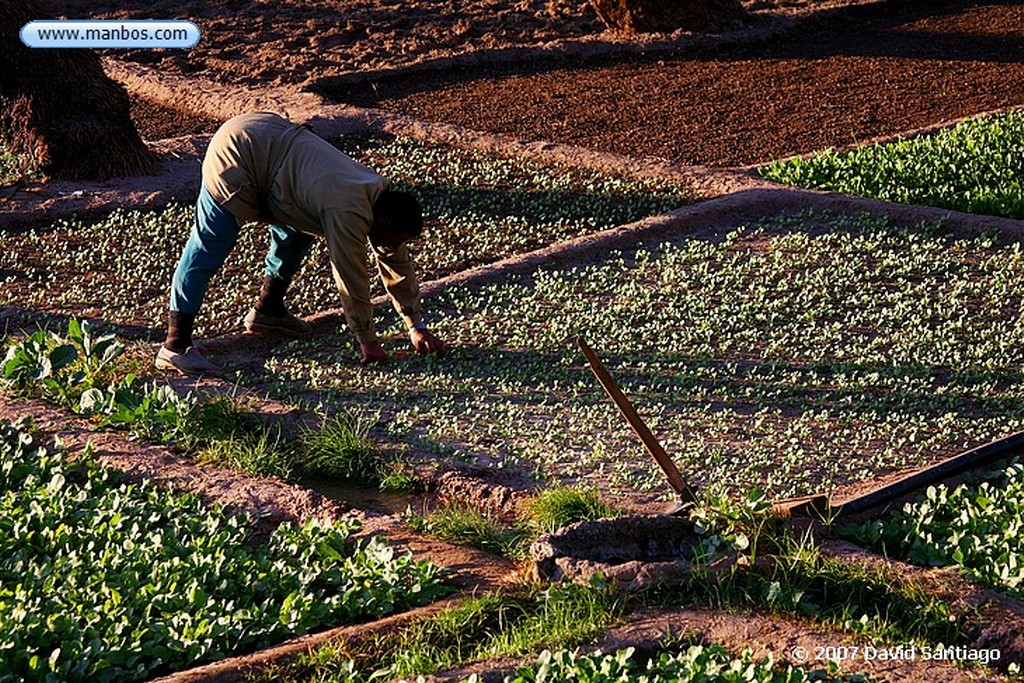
x: 346, y: 242
x: 399, y: 278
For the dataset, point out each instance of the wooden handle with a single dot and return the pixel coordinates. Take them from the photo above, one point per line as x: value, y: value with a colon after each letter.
x: 675, y: 478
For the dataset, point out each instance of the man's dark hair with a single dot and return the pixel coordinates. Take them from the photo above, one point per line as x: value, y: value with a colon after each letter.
x: 401, y: 211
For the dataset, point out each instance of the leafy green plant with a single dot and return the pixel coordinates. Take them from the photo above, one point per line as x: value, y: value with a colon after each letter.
x: 973, y: 526
x: 740, y: 525
x: 698, y: 663
x: 974, y: 166
x: 38, y: 361
x: 96, y: 352
x: 103, y: 580
x: 154, y: 412
x: 60, y: 368
x: 560, y: 506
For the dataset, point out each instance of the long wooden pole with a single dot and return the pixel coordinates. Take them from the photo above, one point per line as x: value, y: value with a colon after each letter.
x: 650, y: 442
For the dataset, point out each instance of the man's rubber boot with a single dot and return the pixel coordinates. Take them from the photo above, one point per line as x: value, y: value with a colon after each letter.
x: 177, y: 353
x: 191, y: 362
x: 270, y: 315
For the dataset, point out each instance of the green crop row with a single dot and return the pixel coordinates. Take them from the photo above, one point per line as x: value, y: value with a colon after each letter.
x: 83, y: 372
x: 703, y: 663
x: 976, y: 527
x: 478, y: 208
x: 974, y: 166
x: 784, y: 356
x: 104, y: 580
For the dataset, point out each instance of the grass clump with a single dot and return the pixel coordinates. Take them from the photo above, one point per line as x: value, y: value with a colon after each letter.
x: 342, y: 448
x: 548, y: 511
x: 468, y: 526
x: 975, y: 527
x: 482, y: 627
x: 561, y: 506
x: 975, y: 166
x: 109, y: 581
x: 261, y: 453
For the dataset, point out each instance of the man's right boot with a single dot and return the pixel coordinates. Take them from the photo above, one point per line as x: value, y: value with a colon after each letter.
x: 177, y: 352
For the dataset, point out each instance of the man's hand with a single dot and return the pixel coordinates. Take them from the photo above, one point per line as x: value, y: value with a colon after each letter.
x: 373, y: 353
x: 425, y: 342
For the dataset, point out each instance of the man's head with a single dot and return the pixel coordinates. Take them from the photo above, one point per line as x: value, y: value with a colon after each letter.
x: 397, y: 218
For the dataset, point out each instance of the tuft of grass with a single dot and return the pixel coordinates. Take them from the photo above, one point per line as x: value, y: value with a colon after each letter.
x: 561, y: 506
x: 487, y: 626
x: 550, y: 510
x: 263, y: 454
x: 467, y: 526
x: 342, y: 448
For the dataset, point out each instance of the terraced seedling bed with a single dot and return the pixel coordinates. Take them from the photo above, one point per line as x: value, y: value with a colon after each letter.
x: 974, y: 526
x: 974, y: 166
x: 777, y: 588
x: 479, y: 208
x: 799, y: 353
x: 103, y: 580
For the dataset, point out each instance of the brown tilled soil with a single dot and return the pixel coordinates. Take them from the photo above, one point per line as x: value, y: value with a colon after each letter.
x: 287, y: 42
x: 847, y: 78
x: 156, y: 121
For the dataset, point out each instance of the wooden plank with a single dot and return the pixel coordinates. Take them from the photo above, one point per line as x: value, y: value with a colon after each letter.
x: 650, y: 442
x: 802, y: 506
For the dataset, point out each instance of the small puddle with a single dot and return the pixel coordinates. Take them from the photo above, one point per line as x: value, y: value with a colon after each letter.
x: 364, y: 497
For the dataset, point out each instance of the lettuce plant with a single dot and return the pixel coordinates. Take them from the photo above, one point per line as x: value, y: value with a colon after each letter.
x: 104, y: 580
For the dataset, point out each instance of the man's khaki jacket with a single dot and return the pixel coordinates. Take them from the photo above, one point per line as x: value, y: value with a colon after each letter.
x: 261, y: 167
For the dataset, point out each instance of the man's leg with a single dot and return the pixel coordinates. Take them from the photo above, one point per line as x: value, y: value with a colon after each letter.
x: 288, y: 248
x: 213, y: 235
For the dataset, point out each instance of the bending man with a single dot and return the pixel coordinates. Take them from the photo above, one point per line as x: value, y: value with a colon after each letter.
x: 260, y: 167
